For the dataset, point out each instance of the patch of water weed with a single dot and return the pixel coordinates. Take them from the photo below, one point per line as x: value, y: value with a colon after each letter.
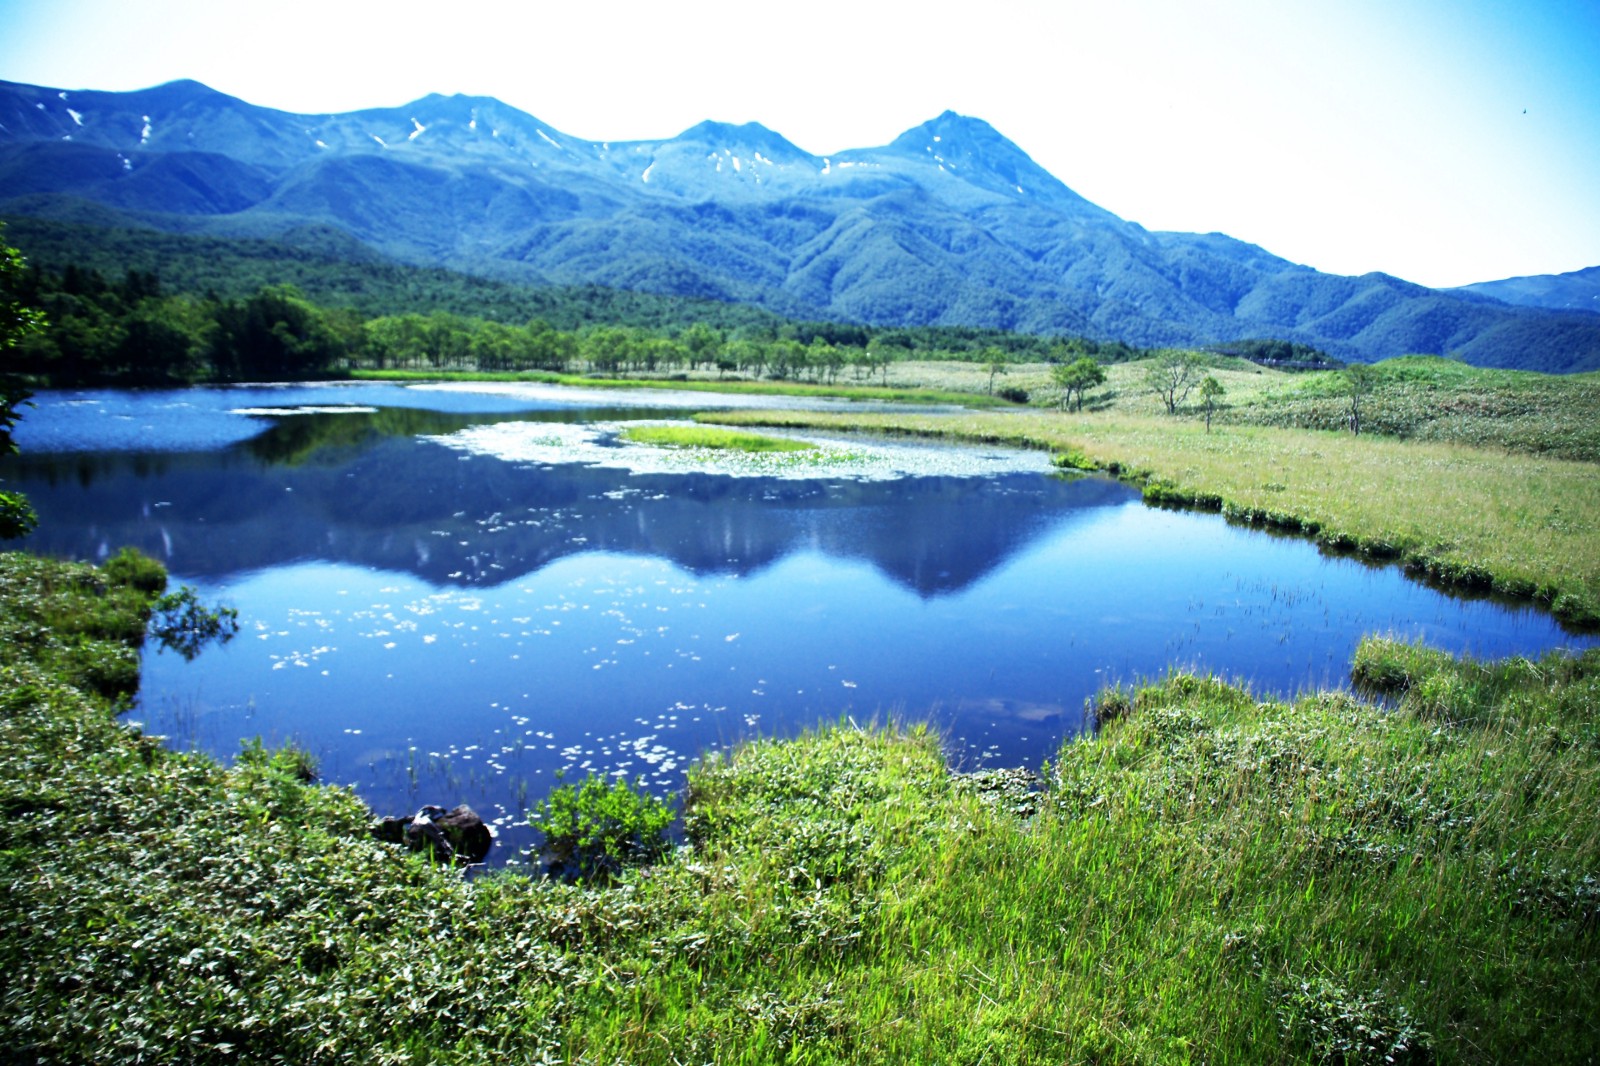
x: 594, y: 444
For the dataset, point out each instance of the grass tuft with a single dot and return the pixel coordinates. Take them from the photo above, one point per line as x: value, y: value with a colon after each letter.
x: 713, y: 438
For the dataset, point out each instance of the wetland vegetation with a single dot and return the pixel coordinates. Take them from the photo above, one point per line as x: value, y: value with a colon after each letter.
x: 714, y: 439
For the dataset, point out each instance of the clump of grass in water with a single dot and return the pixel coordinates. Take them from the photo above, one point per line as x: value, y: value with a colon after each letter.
x: 713, y: 438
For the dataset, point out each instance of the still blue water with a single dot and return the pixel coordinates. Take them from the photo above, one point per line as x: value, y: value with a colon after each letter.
x: 439, y: 622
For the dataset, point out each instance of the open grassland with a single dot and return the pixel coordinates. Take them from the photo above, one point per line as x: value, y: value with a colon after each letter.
x: 1427, y: 398
x: 1470, y: 518
x: 1213, y: 878
x: 705, y: 381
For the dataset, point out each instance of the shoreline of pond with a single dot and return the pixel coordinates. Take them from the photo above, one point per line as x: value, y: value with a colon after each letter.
x: 1576, y: 606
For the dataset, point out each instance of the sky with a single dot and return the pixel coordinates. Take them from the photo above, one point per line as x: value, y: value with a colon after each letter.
x: 1442, y: 141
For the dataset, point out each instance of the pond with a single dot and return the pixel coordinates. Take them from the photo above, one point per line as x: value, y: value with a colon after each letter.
x: 455, y: 594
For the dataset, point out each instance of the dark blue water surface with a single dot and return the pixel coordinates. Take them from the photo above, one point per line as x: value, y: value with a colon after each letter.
x: 441, y: 625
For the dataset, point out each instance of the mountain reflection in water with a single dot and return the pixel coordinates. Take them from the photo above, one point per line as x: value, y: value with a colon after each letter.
x: 345, y: 489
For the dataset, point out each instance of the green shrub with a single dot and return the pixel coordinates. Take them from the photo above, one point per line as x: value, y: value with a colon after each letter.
x: 594, y: 829
x: 1073, y: 459
x: 133, y: 569
x: 289, y: 761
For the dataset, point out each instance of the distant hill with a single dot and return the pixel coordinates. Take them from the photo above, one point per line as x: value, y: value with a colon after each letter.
x: 950, y: 224
x: 1575, y: 291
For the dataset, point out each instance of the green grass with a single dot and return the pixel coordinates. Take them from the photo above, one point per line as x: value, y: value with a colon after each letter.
x: 1473, y: 518
x: 1433, y: 399
x: 713, y: 438
x: 1215, y: 878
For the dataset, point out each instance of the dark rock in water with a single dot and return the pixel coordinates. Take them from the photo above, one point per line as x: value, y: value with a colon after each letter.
x: 456, y: 835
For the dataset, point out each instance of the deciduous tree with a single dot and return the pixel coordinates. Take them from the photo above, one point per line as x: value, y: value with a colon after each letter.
x: 1172, y: 375
x: 994, y: 362
x: 1359, y: 379
x: 1210, y: 390
x: 1078, y: 376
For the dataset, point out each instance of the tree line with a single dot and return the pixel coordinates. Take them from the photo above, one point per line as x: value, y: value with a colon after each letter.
x: 132, y: 331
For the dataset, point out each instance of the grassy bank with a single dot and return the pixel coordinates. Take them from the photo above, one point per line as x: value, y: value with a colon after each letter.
x: 1214, y: 878
x: 1422, y: 398
x: 699, y: 383
x: 1475, y: 519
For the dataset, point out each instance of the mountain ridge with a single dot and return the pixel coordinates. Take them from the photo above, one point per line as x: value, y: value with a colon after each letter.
x: 1574, y: 290
x: 950, y: 223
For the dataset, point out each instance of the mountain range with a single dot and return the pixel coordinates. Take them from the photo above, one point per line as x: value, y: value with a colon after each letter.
x: 949, y: 224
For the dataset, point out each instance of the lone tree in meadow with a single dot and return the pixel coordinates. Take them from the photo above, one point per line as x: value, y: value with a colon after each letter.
x: 1210, y: 390
x: 995, y: 362
x: 1359, y: 379
x: 1078, y: 376
x: 1171, y: 376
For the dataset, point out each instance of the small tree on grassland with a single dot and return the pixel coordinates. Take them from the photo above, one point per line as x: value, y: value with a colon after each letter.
x: 1210, y: 391
x: 994, y: 362
x: 1359, y: 379
x: 1172, y: 375
x: 1078, y: 376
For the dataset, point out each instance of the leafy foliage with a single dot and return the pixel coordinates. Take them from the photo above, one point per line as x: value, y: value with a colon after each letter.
x: 594, y: 829
x: 141, y: 331
x: 1078, y: 376
x: 18, y: 319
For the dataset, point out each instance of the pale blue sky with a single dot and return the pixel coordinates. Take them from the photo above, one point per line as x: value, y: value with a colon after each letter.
x: 1445, y: 142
